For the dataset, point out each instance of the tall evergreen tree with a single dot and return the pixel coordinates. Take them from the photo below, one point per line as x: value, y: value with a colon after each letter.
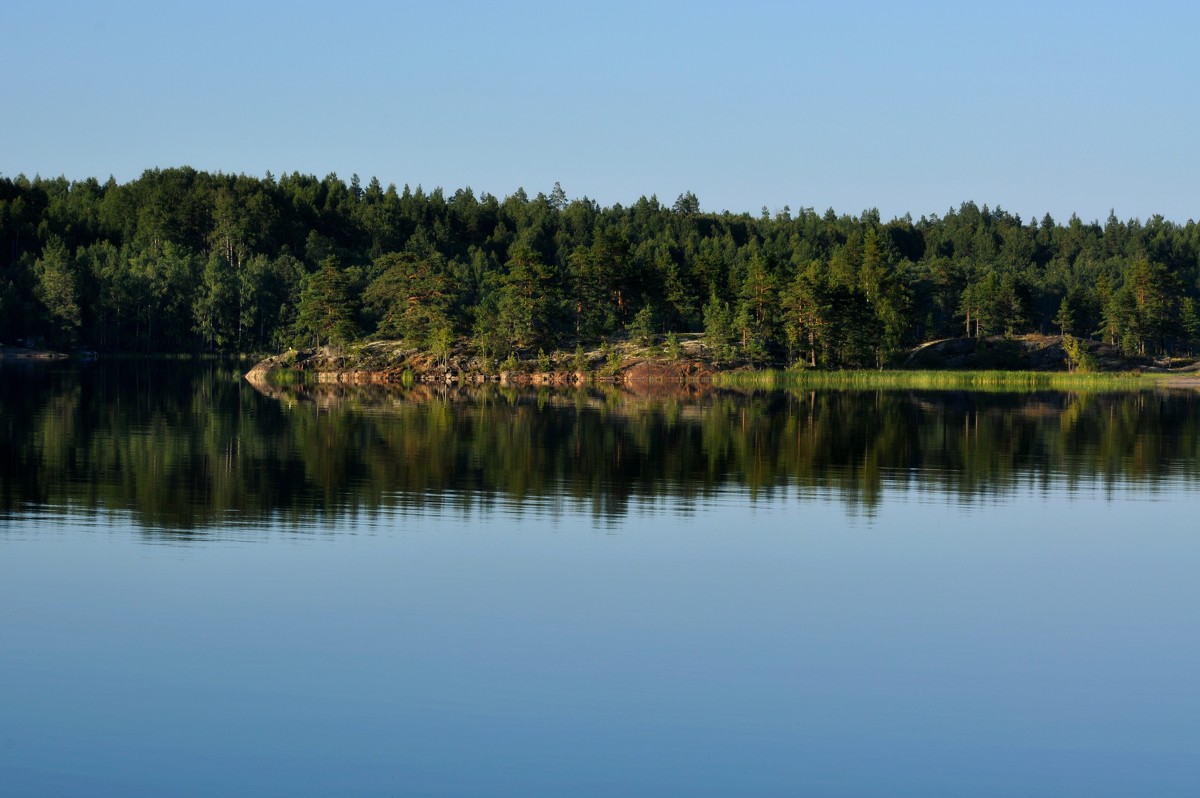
x: 325, y: 312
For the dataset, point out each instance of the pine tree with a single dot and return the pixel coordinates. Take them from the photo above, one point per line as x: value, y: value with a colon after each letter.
x: 56, y: 290
x: 325, y: 312
x: 1065, y: 318
x: 718, y: 328
x: 641, y: 328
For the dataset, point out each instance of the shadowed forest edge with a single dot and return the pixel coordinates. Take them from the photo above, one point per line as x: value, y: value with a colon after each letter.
x: 185, y: 261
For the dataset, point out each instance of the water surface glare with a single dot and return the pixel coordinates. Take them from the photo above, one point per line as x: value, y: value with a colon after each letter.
x: 205, y: 590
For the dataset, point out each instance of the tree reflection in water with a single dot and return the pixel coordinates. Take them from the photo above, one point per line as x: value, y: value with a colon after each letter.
x: 182, y: 448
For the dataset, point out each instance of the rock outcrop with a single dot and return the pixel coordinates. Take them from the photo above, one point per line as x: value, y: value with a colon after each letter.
x: 383, y: 362
x: 1018, y: 353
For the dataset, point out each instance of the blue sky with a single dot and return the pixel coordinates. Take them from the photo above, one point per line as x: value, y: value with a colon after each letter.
x: 1035, y: 107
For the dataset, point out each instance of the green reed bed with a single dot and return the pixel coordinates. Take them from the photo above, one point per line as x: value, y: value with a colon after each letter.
x: 936, y: 380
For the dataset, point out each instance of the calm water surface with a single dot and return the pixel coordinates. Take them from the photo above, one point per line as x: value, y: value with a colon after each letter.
x: 206, y: 590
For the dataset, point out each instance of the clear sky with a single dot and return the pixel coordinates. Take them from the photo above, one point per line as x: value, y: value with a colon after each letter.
x: 907, y: 107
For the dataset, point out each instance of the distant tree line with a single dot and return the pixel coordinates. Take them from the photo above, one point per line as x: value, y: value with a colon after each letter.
x: 181, y: 260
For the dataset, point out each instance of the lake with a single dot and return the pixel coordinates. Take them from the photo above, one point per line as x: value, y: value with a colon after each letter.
x: 351, y: 591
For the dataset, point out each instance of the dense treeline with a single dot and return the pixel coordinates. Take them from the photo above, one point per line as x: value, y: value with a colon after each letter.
x: 181, y: 260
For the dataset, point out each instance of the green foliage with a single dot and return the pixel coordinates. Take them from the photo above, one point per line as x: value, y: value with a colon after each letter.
x: 718, y: 329
x: 441, y: 342
x: 528, y: 303
x: 215, y: 308
x: 807, y: 316
x: 543, y: 361
x: 325, y: 309
x: 1065, y: 318
x: 412, y: 296
x: 989, y: 380
x: 182, y: 260
x: 56, y: 291
x: 678, y: 295
x: 1078, y: 357
x: 1189, y: 323
x: 602, y: 277
x: 673, y: 349
x: 612, y: 362
x: 580, y: 362
x: 642, y: 326
x: 755, y: 317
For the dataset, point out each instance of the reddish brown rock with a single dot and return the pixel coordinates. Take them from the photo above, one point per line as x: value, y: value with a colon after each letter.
x: 674, y: 372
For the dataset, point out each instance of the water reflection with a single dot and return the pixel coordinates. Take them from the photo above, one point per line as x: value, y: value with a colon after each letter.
x: 181, y: 448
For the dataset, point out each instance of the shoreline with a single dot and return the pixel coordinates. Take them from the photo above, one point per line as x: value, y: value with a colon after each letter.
x: 1041, y: 364
x: 23, y: 353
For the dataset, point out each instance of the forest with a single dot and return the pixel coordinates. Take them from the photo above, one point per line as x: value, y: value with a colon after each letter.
x: 187, y: 261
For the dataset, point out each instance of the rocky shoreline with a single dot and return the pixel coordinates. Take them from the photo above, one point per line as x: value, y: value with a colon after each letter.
x: 392, y: 362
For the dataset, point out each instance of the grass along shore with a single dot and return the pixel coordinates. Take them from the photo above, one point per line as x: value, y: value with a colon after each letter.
x: 770, y: 379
